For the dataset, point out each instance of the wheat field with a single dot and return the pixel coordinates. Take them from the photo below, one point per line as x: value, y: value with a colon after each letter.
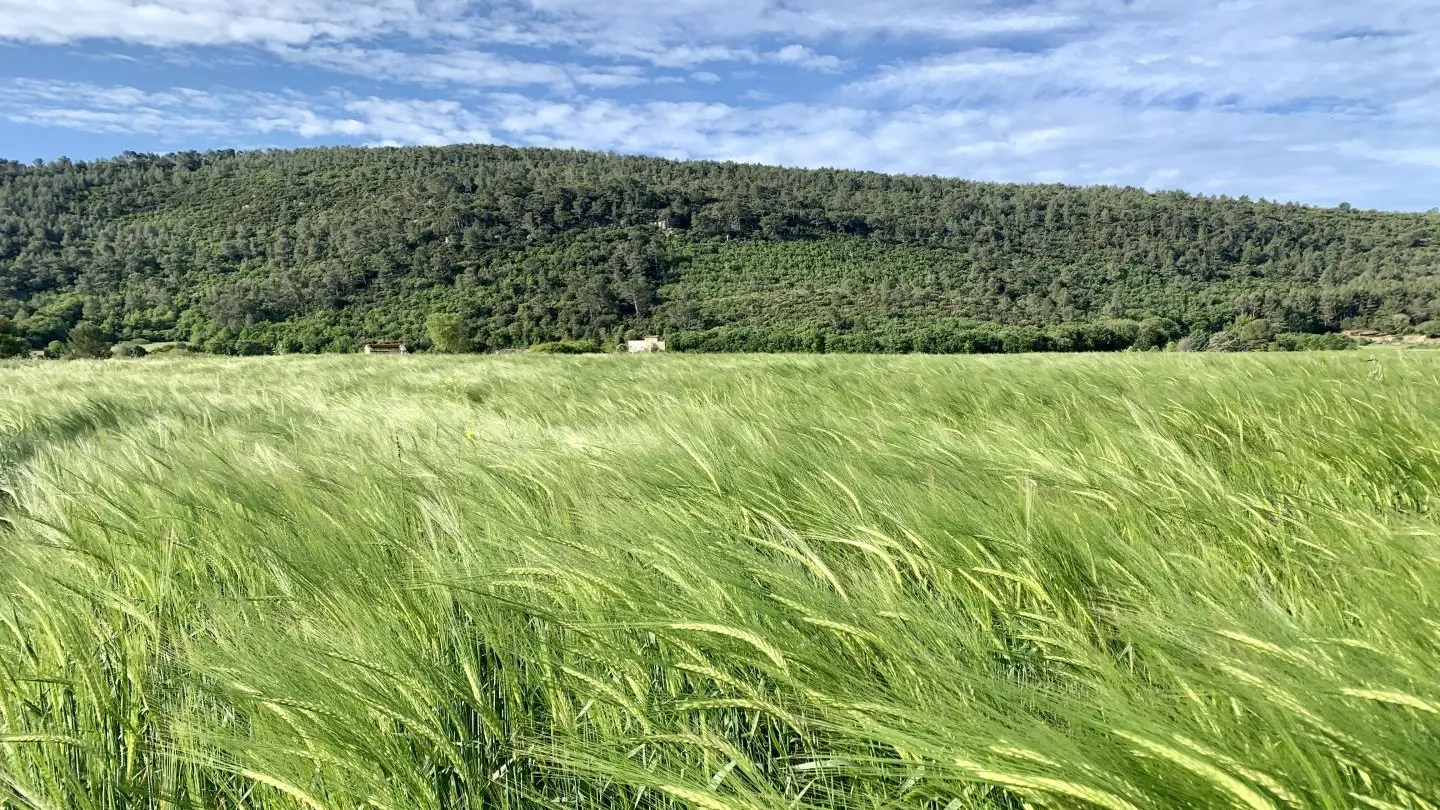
x: 450, y: 583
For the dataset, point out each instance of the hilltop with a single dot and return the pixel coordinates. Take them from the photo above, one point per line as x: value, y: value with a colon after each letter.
x: 316, y: 249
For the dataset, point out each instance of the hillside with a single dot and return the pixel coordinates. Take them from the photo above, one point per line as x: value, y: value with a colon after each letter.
x: 316, y: 249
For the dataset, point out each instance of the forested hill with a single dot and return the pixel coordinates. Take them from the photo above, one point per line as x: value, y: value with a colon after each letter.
x: 314, y: 250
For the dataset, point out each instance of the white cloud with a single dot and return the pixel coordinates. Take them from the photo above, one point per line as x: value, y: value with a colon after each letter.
x: 429, y: 123
x: 672, y: 33
x: 1315, y: 99
x: 761, y: 96
x: 802, y: 57
x: 1308, y: 156
x: 461, y: 67
x: 1420, y: 155
x: 672, y: 56
x: 1286, y: 54
x: 724, y: 20
x: 117, y: 110
x: 200, y: 22
x: 184, y: 113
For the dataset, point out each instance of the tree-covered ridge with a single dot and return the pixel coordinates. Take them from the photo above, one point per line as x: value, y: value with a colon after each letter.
x: 317, y: 249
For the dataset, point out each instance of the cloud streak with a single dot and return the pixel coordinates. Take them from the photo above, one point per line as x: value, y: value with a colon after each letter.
x: 461, y: 67
x: 1205, y: 151
x: 1312, y: 100
x: 200, y: 22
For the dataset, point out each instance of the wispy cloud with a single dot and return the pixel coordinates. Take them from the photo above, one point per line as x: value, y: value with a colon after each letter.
x: 680, y: 55
x: 462, y: 67
x: 182, y: 112
x: 1206, y: 151
x: 193, y: 22
x: 1277, y: 54
x: 662, y: 28
x: 803, y: 57
x: 119, y: 110
x: 1316, y: 100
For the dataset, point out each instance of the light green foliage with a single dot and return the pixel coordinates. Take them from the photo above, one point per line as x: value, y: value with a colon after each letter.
x: 130, y: 348
x: 1257, y: 333
x: 436, y: 583
x: 447, y: 332
x: 1228, y: 340
x: 1156, y: 333
x: 1197, y: 341
x: 566, y: 347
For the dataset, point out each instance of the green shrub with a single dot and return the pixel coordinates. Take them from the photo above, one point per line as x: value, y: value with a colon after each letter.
x: 1257, y: 334
x: 1301, y: 342
x: 447, y: 333
x: 250, y: 347
x: 1196, y: 341
x: 11, y: 346
x: 566, y: 347
x: 1226, y: 341
x: 88, y: 341
x: 11, y: 343
x: 1156, y: 333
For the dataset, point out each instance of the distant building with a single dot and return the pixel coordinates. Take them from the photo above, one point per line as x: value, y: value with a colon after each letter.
x: 650, y: 344
x: 383, y: 347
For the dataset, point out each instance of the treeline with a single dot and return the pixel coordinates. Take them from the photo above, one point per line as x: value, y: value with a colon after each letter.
x: 1153, y: 334
x: 317, y: 250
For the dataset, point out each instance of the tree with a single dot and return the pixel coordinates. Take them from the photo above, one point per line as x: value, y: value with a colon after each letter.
x: 447, y: 333
x: 1197, y: 341
x: 1257, y: 334
x: 1226, y: 341
x: 1156, y: 333
x: 11, y: 344
x: 86, y: 340
x: 55, y: 350
x: 130, y: 348
x: 551, y: 246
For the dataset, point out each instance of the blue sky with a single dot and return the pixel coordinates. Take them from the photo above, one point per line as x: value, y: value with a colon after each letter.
x: 1317, y: 101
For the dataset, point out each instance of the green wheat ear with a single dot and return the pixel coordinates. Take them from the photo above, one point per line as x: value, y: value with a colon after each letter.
x: 820, y: 583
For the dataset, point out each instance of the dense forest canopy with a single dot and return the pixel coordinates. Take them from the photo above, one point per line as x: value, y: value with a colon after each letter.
x: 318, y: 249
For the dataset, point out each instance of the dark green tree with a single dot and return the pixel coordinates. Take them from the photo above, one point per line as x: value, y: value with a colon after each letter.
x: 549, y: 246
x: 87, y: 341
x: 11, y: 344
x: 1156, y: 333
